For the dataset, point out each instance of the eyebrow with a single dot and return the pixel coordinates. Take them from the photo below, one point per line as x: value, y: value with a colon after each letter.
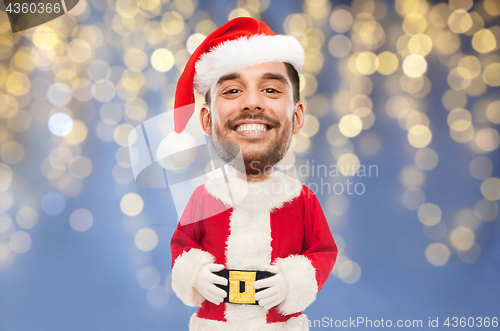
x: 279, y: 77
x: 268, y: 75
x: 230, y: 76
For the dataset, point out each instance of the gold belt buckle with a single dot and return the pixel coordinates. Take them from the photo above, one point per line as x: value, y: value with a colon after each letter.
x: 241, y: 288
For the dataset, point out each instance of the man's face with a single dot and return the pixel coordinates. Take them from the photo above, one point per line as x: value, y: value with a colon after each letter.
x: 254, y: 108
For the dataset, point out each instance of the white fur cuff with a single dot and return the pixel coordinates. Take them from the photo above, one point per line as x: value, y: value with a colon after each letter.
x: 302, y: 286
x: 185, y: 272
x: 299, y: 323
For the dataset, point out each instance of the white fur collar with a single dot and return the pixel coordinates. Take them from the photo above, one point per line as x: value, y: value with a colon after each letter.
x: 256, y: 196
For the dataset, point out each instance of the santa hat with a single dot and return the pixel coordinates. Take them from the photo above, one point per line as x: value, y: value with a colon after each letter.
x: 241, y: 42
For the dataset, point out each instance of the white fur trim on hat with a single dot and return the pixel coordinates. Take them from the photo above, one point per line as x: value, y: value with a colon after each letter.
x: 302, y: 286
x: 244, y: 52
x: 185, y: 272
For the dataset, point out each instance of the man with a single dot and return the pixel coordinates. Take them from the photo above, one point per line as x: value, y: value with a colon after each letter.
x: 259, y: 262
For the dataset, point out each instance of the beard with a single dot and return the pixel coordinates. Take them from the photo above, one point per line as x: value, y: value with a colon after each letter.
x: 256, y: 159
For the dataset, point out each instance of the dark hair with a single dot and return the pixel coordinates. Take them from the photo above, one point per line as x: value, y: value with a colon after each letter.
x: 294, y: 78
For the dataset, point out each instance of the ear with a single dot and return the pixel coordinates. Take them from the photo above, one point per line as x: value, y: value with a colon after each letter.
x: 299, y: 117
x: 205, y: 119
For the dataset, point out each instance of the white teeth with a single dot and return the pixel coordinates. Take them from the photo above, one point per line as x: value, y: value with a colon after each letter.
x: 251, y: 128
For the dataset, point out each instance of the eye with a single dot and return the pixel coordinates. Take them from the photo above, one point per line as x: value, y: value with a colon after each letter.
x: 231, y: 91
x: 271, y: 90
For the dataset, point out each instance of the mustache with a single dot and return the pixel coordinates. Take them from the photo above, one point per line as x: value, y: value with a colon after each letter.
x: 254, y: 116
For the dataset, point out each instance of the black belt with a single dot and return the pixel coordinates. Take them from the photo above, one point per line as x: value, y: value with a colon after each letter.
x: 240, y: 285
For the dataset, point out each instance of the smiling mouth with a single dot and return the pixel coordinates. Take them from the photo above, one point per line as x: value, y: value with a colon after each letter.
x: 252, y: 128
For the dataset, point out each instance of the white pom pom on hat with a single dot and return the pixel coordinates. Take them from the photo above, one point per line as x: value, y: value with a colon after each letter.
x: 177, y: 150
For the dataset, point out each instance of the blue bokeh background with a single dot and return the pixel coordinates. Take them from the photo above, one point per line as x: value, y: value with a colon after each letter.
x: 87, y: 281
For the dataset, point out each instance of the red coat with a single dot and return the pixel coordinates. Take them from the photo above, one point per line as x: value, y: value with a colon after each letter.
x: 278, y: 221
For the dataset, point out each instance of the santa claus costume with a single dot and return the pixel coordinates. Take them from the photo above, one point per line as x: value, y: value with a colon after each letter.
x: 278, y: 222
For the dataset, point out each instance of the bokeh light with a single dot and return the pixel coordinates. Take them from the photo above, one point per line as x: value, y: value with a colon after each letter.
x: 414, y: 65
x: 341, y: 20
x: 481, y: 167
x: 419, y: 136
x: 487, y: 139
x: 412, y: 198
x: 429, y: 214
x: 59, y: 94
x: 491, y: 74
x: 411, y: 176
x: 148, y: 277
x: 350, y: 125
x: 131, y: 204
x: 5, y: 223
x: 20, y: 242
x: 162, y: 60
x: 146, y: 239
x: 484, y: 41
x: 386, y: 63
x: 60, y: 124
x: 490, y: 188
x: 53, y: 203
x: 337, y: 204
x: 462, y: 238
x: 486, y: 210
x: 5, y: 177
x: 426, y: 159
x: 349, y: 271
x: 27, y: 217
x: 12, y: 152
x: 81, y: 220
x: 437, y: 254
x: 158, y: 296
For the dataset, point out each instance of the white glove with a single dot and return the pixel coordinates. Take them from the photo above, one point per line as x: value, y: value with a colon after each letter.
x: 275, y: 293
x: 205, y: 283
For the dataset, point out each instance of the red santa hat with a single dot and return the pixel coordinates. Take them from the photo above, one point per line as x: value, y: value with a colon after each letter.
x: 241, y: 42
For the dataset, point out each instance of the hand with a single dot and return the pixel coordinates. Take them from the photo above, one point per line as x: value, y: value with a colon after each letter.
x: 275, y: 293
x: 205, y: 283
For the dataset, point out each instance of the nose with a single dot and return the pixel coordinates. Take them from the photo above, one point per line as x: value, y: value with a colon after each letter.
x: 252, y: 100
